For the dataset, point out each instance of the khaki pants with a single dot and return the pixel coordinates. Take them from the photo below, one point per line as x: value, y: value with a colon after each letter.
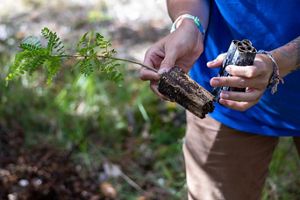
x: 223, y: 163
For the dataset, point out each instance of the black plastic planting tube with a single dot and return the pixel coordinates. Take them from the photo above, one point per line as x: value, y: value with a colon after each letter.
x: 240, y: 53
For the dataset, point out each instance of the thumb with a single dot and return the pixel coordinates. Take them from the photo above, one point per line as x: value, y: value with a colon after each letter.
x: 216, y: 62
x: 168, y: 62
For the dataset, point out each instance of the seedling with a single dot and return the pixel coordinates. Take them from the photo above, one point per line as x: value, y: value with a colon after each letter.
x: 94, y: 52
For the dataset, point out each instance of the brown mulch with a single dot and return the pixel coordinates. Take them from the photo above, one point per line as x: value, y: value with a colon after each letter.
x: 41, y: 172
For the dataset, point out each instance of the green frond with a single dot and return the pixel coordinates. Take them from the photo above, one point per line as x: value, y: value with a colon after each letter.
x: 113, y: 74
x: 86, y: 66
x: 31, y: 43
x: 96, y: 53
x: 86, y: 46
x: 55, y: 45
x: 82, y: 41
x: 52, y: 65
x: 101, y: 42
x: 27, y: 61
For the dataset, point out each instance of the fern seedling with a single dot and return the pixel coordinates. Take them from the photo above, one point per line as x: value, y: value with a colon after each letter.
x: 93, y: 52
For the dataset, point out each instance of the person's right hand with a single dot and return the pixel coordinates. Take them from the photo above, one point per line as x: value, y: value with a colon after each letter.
x: 180, y: 48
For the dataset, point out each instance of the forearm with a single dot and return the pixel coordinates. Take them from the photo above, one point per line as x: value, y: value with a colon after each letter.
x: 199, y: 8
x: 288, y: 57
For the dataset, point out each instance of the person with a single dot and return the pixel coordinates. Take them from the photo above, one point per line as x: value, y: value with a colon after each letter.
x: 227, y: 154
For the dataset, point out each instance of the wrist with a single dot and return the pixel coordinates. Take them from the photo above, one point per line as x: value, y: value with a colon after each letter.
x: 187, y: 17
x: 288, y: 57
x: 284, y: 67
x: 274, y: 74
x: 192, y: 30
x: 189, y: 24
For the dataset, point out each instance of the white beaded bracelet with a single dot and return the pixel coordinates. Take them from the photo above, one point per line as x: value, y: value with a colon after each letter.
x: 188, y: 16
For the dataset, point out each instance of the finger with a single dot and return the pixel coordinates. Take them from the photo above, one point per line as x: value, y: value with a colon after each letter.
x: 163, y: 70
x: 238, y: 82
x: 244, y: 71
x: 147, y: 58
x: 154, y: 88
x: 146, y: 74
x: 240, y: 106
x: 216, y: 62
x: 248, y: 96
x: 184, y: 65
x: 153, y: 57
x: 168, y: 62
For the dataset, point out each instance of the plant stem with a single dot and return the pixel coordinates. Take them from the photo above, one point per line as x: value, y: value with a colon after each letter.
x: 132, y: 61
x: 114, y: 58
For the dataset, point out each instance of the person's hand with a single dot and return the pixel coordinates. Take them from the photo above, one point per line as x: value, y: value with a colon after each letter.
x: 181, y: 48
x: 254, y: 78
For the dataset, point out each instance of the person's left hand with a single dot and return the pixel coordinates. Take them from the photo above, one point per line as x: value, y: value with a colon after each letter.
x: 254, y: 78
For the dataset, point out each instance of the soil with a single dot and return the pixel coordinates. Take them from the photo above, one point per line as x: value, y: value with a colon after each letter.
x: 41, y: 172
x: 178, y: 87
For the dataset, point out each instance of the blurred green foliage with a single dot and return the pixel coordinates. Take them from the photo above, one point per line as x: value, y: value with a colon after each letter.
x: 124, y: 122
x: 284, y: 176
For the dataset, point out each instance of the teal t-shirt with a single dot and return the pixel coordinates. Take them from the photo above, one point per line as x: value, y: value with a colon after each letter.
x: 268, y: 24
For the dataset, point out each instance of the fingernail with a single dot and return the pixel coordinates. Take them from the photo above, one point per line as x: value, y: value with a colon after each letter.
x: 228, y: 68
x: 211, y: 62
x: 224, y: 95
x: 215, y: 81
x: 222, y: 101
x: 162, y: 70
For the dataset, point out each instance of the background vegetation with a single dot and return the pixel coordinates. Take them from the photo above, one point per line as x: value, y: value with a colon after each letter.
x: 98, y: 139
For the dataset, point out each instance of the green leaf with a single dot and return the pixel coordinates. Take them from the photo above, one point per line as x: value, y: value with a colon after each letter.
x: 31, y: 43
x: 86, y: 66
x: 52, y: 65
x: 93, y: 53
x: 54, y: 45
x: 27, y: 61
